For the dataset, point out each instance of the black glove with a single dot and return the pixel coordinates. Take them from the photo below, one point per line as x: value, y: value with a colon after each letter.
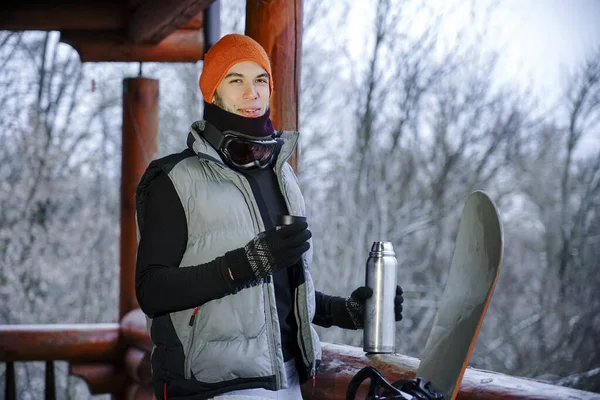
x: 270, y: 251
x: 355, y: 308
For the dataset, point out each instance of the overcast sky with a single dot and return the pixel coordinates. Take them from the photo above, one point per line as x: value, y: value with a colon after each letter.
x: 538, y: 40
x: 544, y: 39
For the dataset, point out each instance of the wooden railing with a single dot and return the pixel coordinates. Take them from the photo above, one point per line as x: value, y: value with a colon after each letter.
x: 341, y: 363
x: 115, y: 358
x: 90, y: 349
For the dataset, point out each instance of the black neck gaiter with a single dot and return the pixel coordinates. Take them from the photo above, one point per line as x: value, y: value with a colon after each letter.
x: 259, y: 127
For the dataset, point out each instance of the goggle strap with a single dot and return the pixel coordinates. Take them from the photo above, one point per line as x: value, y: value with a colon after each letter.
x: 213, y: 135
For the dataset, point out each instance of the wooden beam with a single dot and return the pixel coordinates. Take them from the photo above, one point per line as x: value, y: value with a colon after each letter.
x: 72, y: 16
x: 196, y: 23
x: 154, y: 20
x: 277, y: 26
x: 180, y: 46
x: 68, y: 16
x: 69, y: 342
x: 140, y: 143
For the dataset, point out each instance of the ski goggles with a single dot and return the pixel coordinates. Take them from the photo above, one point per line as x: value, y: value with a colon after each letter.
x: 242, y: 151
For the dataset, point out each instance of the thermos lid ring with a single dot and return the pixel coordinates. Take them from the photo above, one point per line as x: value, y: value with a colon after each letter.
x: 383, y: 248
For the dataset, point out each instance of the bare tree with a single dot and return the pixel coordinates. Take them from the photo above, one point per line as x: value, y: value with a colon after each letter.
x: 426, y: 130
x: 58, y: 241
x: 552, y: 316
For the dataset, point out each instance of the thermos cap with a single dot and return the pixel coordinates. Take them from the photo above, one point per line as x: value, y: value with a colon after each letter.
x: 382, y: 248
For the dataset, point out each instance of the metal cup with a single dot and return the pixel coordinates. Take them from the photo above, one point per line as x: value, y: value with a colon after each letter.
x: 283, y: 220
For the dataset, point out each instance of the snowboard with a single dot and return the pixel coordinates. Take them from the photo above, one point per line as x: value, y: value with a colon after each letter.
x: 467, y: 293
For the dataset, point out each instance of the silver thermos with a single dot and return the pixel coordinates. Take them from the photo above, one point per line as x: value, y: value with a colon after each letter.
x: 380, y: 322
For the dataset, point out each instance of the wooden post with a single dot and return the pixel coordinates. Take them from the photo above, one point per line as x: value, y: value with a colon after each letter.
x: 277, y: 26
x: 140, y: 137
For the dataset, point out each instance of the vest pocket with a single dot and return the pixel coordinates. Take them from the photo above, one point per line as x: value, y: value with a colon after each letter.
x: 190, y: 343
x: 224, y: 332
x: 223, y: 360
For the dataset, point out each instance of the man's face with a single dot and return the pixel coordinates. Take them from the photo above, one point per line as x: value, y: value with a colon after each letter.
x: 244, y: 90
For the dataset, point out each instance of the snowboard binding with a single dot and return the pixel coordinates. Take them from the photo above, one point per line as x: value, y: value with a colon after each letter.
x: 380, y: 389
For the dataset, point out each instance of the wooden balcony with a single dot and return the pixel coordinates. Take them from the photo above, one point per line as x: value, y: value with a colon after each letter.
x: 115, y: 358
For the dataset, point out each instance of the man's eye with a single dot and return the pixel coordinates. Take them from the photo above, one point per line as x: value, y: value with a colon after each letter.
x: 262, y: 80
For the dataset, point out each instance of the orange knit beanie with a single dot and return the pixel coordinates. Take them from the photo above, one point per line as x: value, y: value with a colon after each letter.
x: 228, y: 51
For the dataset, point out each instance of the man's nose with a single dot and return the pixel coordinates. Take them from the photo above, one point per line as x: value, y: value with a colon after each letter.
x: 250, y: 92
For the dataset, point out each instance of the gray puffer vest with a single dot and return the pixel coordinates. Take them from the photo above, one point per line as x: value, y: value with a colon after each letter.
x: 232, y: 343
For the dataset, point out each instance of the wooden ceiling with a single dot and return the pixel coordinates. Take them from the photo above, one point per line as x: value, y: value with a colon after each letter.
x: 121, y: 30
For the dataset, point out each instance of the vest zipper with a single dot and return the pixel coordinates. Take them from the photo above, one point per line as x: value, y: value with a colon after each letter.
x: 305, y: 356
x: 193, y: 317
x: 186, y: 363
x: 269, y: 321
x: 307, y: 362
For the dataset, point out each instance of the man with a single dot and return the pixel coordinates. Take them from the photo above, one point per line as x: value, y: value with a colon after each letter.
x: 228, y: 293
